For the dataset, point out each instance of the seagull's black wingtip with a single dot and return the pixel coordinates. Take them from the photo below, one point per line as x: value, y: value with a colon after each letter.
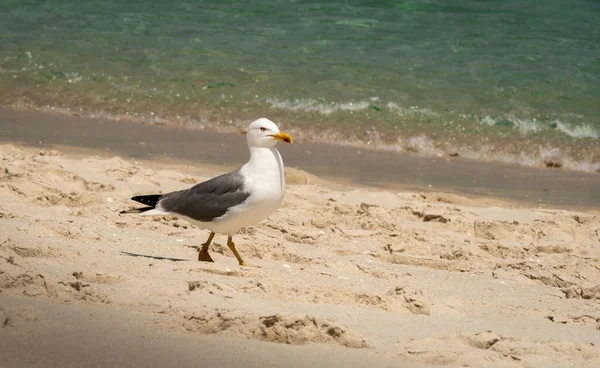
x: 148, y: 200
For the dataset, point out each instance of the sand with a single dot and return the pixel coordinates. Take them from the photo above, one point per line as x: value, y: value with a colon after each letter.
x: 348, y: 275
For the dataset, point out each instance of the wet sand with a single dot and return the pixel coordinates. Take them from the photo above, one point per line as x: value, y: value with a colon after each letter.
x: 397, y: 171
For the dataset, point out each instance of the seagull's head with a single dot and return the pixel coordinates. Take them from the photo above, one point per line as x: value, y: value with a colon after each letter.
x: 265, y: 133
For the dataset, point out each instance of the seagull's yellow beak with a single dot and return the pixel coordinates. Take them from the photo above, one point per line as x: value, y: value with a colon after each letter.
x: 284, y: 137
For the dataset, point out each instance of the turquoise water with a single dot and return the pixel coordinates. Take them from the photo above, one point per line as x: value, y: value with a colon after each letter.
x: 492, y: 80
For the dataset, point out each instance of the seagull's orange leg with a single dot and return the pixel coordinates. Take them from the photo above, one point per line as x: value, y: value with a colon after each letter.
x: 235, y: 252
x: 203, y: 253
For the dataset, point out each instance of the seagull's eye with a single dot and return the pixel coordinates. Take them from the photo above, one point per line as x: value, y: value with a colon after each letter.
x: 263, y: 129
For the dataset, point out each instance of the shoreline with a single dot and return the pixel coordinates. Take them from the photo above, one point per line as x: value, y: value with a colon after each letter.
x: 544, y: 188
x: 576, y: 151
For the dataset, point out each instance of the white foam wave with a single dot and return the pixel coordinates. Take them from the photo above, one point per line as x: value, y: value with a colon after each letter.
x: 547, y: 156
x: 524, y: 126
x: 324, y: 108
x: 410, y: 111
x: 488, y: 120
x: 422, y: 144
x: 310, y: 105
x: 578, y: 131
x: 374, y: 137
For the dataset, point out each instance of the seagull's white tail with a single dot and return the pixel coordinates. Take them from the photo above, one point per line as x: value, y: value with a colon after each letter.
x: 155, y: 212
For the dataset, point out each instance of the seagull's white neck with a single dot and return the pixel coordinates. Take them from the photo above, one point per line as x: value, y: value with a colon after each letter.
x: 266, y: 163
x: 264, y: 159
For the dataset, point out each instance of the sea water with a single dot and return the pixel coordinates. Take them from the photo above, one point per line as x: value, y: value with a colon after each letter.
x: 508, y: 81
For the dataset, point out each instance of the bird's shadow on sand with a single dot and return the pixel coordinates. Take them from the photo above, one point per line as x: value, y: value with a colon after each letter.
x: 154, y: 257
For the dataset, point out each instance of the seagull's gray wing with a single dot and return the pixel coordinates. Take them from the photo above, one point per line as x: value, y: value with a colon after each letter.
x: 208, y: 200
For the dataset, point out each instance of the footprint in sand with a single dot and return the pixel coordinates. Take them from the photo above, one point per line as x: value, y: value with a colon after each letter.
x: 279, y: 328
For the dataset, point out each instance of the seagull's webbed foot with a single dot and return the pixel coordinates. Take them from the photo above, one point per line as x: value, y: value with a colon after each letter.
x: 231, y: 246
x: 203, y: 254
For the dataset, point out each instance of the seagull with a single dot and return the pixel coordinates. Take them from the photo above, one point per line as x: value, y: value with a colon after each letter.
x: 231, y: 201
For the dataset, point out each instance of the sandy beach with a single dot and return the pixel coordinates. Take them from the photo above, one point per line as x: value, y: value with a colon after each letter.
x: 442, y: 206
x: 348, y: 275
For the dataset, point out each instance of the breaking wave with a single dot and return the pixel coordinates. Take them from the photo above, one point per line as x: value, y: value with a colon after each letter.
x: 526, y: 126
x: 309, y: 105
x: 578, y: 131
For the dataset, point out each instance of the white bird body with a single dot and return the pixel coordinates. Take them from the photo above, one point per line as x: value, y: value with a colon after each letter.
x: 235, y: 200
x: 264, y: 178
